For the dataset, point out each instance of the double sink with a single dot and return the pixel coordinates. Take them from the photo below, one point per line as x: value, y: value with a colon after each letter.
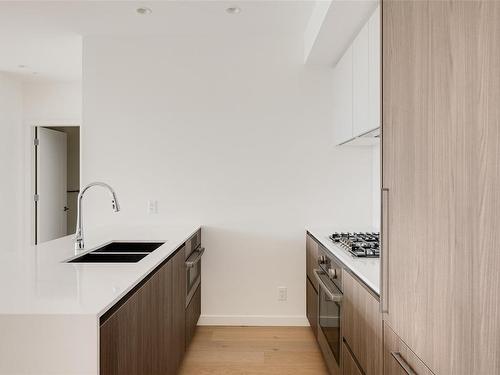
x: 118, y: 252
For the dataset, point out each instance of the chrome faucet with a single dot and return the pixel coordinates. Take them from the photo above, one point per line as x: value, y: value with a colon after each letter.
x: 79, y: 243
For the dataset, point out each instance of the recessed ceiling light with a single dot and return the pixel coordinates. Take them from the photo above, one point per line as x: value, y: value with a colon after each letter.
x: 233, y: 10
x: 21, y: 66
x: 144, y: 11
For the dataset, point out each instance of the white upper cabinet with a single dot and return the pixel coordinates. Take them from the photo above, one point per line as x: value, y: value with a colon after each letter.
x: 357, y: 86
x: 360, y: 83
x: 375, y: 72
x: 342, y: 84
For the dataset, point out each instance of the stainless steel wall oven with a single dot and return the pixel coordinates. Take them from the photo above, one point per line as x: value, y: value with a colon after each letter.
x: 329, y: 277
x: 194, y: 252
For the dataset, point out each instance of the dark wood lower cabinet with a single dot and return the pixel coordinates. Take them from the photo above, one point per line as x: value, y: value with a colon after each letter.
x: 312, y: 306
x: 148, y: 332
x: 134, y: 340
x: 178, y: 336
x: 193, y: 312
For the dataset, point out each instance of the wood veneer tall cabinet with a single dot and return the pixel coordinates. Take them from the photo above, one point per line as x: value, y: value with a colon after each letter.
x: 441, y: 182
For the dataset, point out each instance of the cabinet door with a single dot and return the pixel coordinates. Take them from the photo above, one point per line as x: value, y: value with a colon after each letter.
x: 375, y: 73
x: 349, y: 365
x: 311, y: 260
x: 360, y: 74
x: 342, y: 96
x: 362, y: 325
x: 135, y: 339
x: 312, y: 306
x: 178, y: 335
x: 193, y: 312
x: 441, y: 89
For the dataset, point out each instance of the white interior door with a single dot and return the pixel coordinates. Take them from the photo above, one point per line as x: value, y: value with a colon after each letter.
x: 51, y: 179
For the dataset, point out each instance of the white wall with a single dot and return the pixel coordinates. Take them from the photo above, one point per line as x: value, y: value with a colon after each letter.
x: 234, y: 133
x: 52, y: 103
x: 45, y: 103
x: 22, y: 106
x: 11, y: 156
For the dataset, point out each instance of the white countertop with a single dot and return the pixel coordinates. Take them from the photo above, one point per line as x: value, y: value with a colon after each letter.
x: 367, y: 269
x: 35, y: 280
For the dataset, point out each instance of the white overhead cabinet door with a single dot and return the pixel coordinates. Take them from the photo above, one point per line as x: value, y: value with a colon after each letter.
x: 51, y: 184
x: 374, y: 120
x: 342, y: 86
x: 357, y: 85
x: 361, y: 101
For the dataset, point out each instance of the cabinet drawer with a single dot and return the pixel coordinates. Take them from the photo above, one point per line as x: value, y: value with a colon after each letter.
x: 362, y: 324
x: 398, y: 358
x: 193, y: 312
x: 311, y: 259
x: 349, y: 365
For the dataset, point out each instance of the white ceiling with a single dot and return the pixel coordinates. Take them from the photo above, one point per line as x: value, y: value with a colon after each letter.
x: 46, y: 35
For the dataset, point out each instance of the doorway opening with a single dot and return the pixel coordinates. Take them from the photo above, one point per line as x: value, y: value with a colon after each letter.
x: 57, y: 181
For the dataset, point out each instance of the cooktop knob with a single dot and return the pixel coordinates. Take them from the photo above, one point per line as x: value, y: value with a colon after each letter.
x: 332, y: 273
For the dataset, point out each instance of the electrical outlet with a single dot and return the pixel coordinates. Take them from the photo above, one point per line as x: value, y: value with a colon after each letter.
x: 282, y: 293
x: 152, y: 207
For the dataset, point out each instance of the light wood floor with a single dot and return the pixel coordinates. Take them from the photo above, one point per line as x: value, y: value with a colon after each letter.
x: 253, y: 350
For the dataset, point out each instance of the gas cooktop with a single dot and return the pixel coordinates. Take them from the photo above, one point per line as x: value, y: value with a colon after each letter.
x: 358, y: 244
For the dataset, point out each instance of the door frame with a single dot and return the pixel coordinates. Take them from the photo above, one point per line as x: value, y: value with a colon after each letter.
x: 32, y: 170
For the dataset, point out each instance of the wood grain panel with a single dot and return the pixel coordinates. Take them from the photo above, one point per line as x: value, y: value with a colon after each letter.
x: 486, y: 126
x: 193, y: 312
x: 312, y: 306
x: 159, y: 305
x: 362, y: 325
x: 119, y: 336
x: 135, y: 339
x: 178, y: 334
x: 311, y: 259
x: 441, y: 133
x: 394, y: 344
x: 349, y: 365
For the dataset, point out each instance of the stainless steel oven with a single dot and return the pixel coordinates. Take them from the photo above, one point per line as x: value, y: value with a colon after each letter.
x: 194, y: 252
x: 329, y: 277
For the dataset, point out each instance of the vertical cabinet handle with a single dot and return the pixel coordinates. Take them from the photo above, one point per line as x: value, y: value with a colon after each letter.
x: 384, y: 254
x: 402, y: 363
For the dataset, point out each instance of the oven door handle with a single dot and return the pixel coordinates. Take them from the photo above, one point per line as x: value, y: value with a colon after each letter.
x: 194, y: 258
x: 335, y: 297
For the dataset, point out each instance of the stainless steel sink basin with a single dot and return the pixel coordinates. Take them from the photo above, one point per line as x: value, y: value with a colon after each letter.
x: 118, y: 252
x: 129, y: 247
x: 109, y: 258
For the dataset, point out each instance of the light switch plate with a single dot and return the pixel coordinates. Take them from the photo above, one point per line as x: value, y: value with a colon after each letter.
x: 152, y: 207
x: 282, y: 293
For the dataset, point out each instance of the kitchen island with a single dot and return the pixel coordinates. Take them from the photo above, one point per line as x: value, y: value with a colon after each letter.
x: 52, y: 312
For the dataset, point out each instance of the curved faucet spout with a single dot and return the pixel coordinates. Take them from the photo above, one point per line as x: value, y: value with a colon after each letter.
x: 79, y: 243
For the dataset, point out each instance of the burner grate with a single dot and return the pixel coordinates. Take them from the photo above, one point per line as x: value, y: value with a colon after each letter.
x: 359, y: 244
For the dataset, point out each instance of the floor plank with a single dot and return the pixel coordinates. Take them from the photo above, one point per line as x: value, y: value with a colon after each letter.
x: 253, y: 351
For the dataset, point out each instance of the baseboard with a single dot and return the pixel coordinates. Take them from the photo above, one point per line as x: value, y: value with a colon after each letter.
x: 253, y: 320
